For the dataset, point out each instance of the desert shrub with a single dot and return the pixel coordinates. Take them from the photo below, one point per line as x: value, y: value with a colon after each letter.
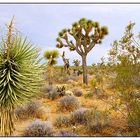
x: 72, y: 82
x: 71, y: 77
x: 131, y: 133
x: 38, y: 128
x: 47, y: 88
x: 68, y: 103
x: 50, y: 92
x: 134, y: 115
x: 62, y: 121
x: 66, y: 78
x: 89, y: 94
x: 99, y: 77
x: 126, y: 66
x: 66, y: 134
x: 97, y: 91
x: 93, y: 83
x: 52, y: 95
x: 78, y: 92
x: 78, y: 116
x: 136, y: 81
x: 100, y: 94
x: 111, y: 85
x: 96, y: 120
x: 32, y: 109
x: 135, y: 95
x: 95, y: 86
x: 21, y: 113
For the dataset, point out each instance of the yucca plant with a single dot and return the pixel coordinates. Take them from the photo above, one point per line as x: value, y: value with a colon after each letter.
x: 51, y: 57
x: 20, y: 76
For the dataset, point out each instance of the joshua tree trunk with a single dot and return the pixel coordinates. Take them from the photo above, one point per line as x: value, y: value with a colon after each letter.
x: 84, y: 67
x: 50, y: 75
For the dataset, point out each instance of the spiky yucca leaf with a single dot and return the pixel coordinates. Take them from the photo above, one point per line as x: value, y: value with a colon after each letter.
x: 20, y: 79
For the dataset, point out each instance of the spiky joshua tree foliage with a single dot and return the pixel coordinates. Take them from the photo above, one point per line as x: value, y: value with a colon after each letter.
x: 51, y: 57
x: 76, y: 62
x: 82, y: 38
x: 20, y: 76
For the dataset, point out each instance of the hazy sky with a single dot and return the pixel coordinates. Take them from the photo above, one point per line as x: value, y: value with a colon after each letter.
x: 42, y: 22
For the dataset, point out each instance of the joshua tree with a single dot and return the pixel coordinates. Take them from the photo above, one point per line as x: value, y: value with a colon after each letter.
x: 76, y: 63
x: 66, y: 63
x: 102, y: 61
x: 93, y: 64
x: 51, y: 56
x: 20, y: 76
x: 82, y: 37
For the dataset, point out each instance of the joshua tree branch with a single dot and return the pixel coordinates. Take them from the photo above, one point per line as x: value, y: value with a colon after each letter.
x: 93, y: 43
x: 79, y: 47
x: 78, y: 44
x: 78, y: 51
x: 71, y: 44
x: 91, y: 46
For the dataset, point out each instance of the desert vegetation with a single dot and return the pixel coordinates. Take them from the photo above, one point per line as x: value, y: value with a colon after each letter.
x: 45, y: 99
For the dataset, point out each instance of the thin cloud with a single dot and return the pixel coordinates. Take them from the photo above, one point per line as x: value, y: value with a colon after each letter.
x: 41, y: 23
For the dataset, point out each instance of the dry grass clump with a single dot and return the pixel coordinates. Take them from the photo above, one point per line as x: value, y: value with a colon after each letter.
x: 21, y: 113
x: 96, y: 120
x: 77, y: 92
x: 78, y: 116
x: 38, y: 128
x: 30, y: 110
x: 68, y: 103
x: 50, y: 92
x: 62, y: 121
x: 66, y: 134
